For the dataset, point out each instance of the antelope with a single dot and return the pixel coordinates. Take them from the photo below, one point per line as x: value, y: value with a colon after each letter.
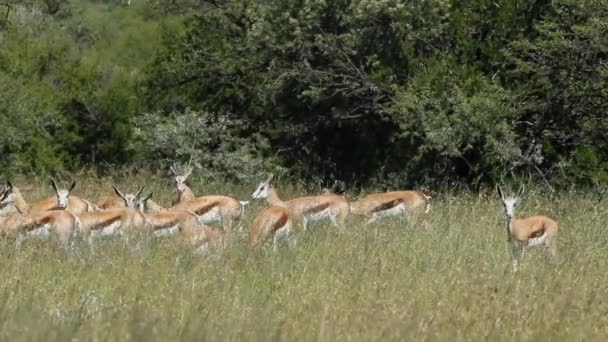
x: 327, y: 206
x: 43, y: 224
x: 166, y: 222
x: 212, y: 209
x: 117, y: 221
x: 6, y: 209
x: 395, y: 203
x: 274, y: 221
x: 115, y: 201
x: 184, y: 193
x: 61, y: 201
x: 203, y: 238
x: 531, y: 231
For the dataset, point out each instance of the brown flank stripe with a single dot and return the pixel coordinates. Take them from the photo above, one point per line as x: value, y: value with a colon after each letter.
x: 317, y: 209
x: 166, y: 225
x: 205, y: 209
x: 280, y: 222
x: 537, y: 233
x: 38, y: 223
x: 105, y: 223
x: 387, y: 205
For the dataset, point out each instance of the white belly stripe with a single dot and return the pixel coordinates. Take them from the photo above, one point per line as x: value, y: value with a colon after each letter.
x: 112, y: 229
x: 169, y: 231
x: 212, y: 216
x: 537, y: 241
x: 39, y: 232
x: 323, y: 214
x: 394, y: 211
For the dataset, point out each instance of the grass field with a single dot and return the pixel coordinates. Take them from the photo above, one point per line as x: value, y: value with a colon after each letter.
x: 443, y: 279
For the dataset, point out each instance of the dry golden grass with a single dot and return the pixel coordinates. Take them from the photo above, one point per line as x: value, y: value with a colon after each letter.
x: 445, y: 278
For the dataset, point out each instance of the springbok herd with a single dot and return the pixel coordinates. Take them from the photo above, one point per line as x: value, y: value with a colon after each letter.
x: 190, y: 218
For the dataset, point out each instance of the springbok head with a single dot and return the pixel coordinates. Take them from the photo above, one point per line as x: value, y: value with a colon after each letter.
x: 63, y: 195
x: 131, y: 200
x: 509, y: 202
x: 181, y: 177
x: 7, y: 196
x: 262, y: 191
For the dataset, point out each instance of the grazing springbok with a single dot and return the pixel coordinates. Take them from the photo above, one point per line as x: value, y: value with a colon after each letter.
x: 203, y: 238
x: 327, y: 206
x: 387, y: 204
x: 166, y: 222
x: 42, y: 224
x: 61, y: 201
x: 274, y: 221
x: 117, y: 221
x: 531, y: 231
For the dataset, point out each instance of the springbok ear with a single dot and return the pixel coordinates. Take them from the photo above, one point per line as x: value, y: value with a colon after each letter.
x: 118, y: 192
x: 72, y: 186
x: 270, y: 177
x: 148, y: 197
x: 54, y: 185
x: 521, y: 191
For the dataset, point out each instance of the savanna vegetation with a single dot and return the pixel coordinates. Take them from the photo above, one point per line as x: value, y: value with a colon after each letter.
x: 447, y: 278
x: 379, y: 94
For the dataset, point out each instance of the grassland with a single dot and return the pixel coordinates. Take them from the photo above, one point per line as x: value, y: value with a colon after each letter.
x: 443, y: 279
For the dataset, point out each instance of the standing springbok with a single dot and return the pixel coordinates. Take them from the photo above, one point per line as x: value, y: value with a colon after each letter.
x: 42, y: 224
x: 61, y: 201
x: 166, y: 222
x: 327, y: 206
x: 387, y: 204
x: 531, y: 231
x: 117, y: 221
x: 274, y: 221
x: 224, y: 210
x: 184, y: 193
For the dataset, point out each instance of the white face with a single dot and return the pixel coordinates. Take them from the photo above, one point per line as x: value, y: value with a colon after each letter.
x: 262, y: 191
x: 131, y: 201
x: 180, y: 183
x: 63, y: 198
x: 509, y: 204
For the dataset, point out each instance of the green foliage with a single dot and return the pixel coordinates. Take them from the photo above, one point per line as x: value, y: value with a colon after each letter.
x: 210, y: 142
x: 366, y: 91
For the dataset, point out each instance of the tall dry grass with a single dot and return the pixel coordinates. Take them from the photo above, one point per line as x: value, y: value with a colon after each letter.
x: 445, y: 278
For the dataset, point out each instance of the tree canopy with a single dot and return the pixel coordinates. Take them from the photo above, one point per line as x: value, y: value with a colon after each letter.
x: 399, y: 93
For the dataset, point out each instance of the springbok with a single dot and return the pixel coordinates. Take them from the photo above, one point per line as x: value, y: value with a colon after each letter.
x: 117, y: 221
x: 6, y: 209
x: 387, y: 204
x: 42, y: 224
x: 224, y: 210
x: 165, y: 222
x: 61, y: 201
x: 274, y: 221
x: 117, y: 201
x: 531, y: 231
x: 327, y: 206
x: 184, y: 193
x: 203, y: 238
